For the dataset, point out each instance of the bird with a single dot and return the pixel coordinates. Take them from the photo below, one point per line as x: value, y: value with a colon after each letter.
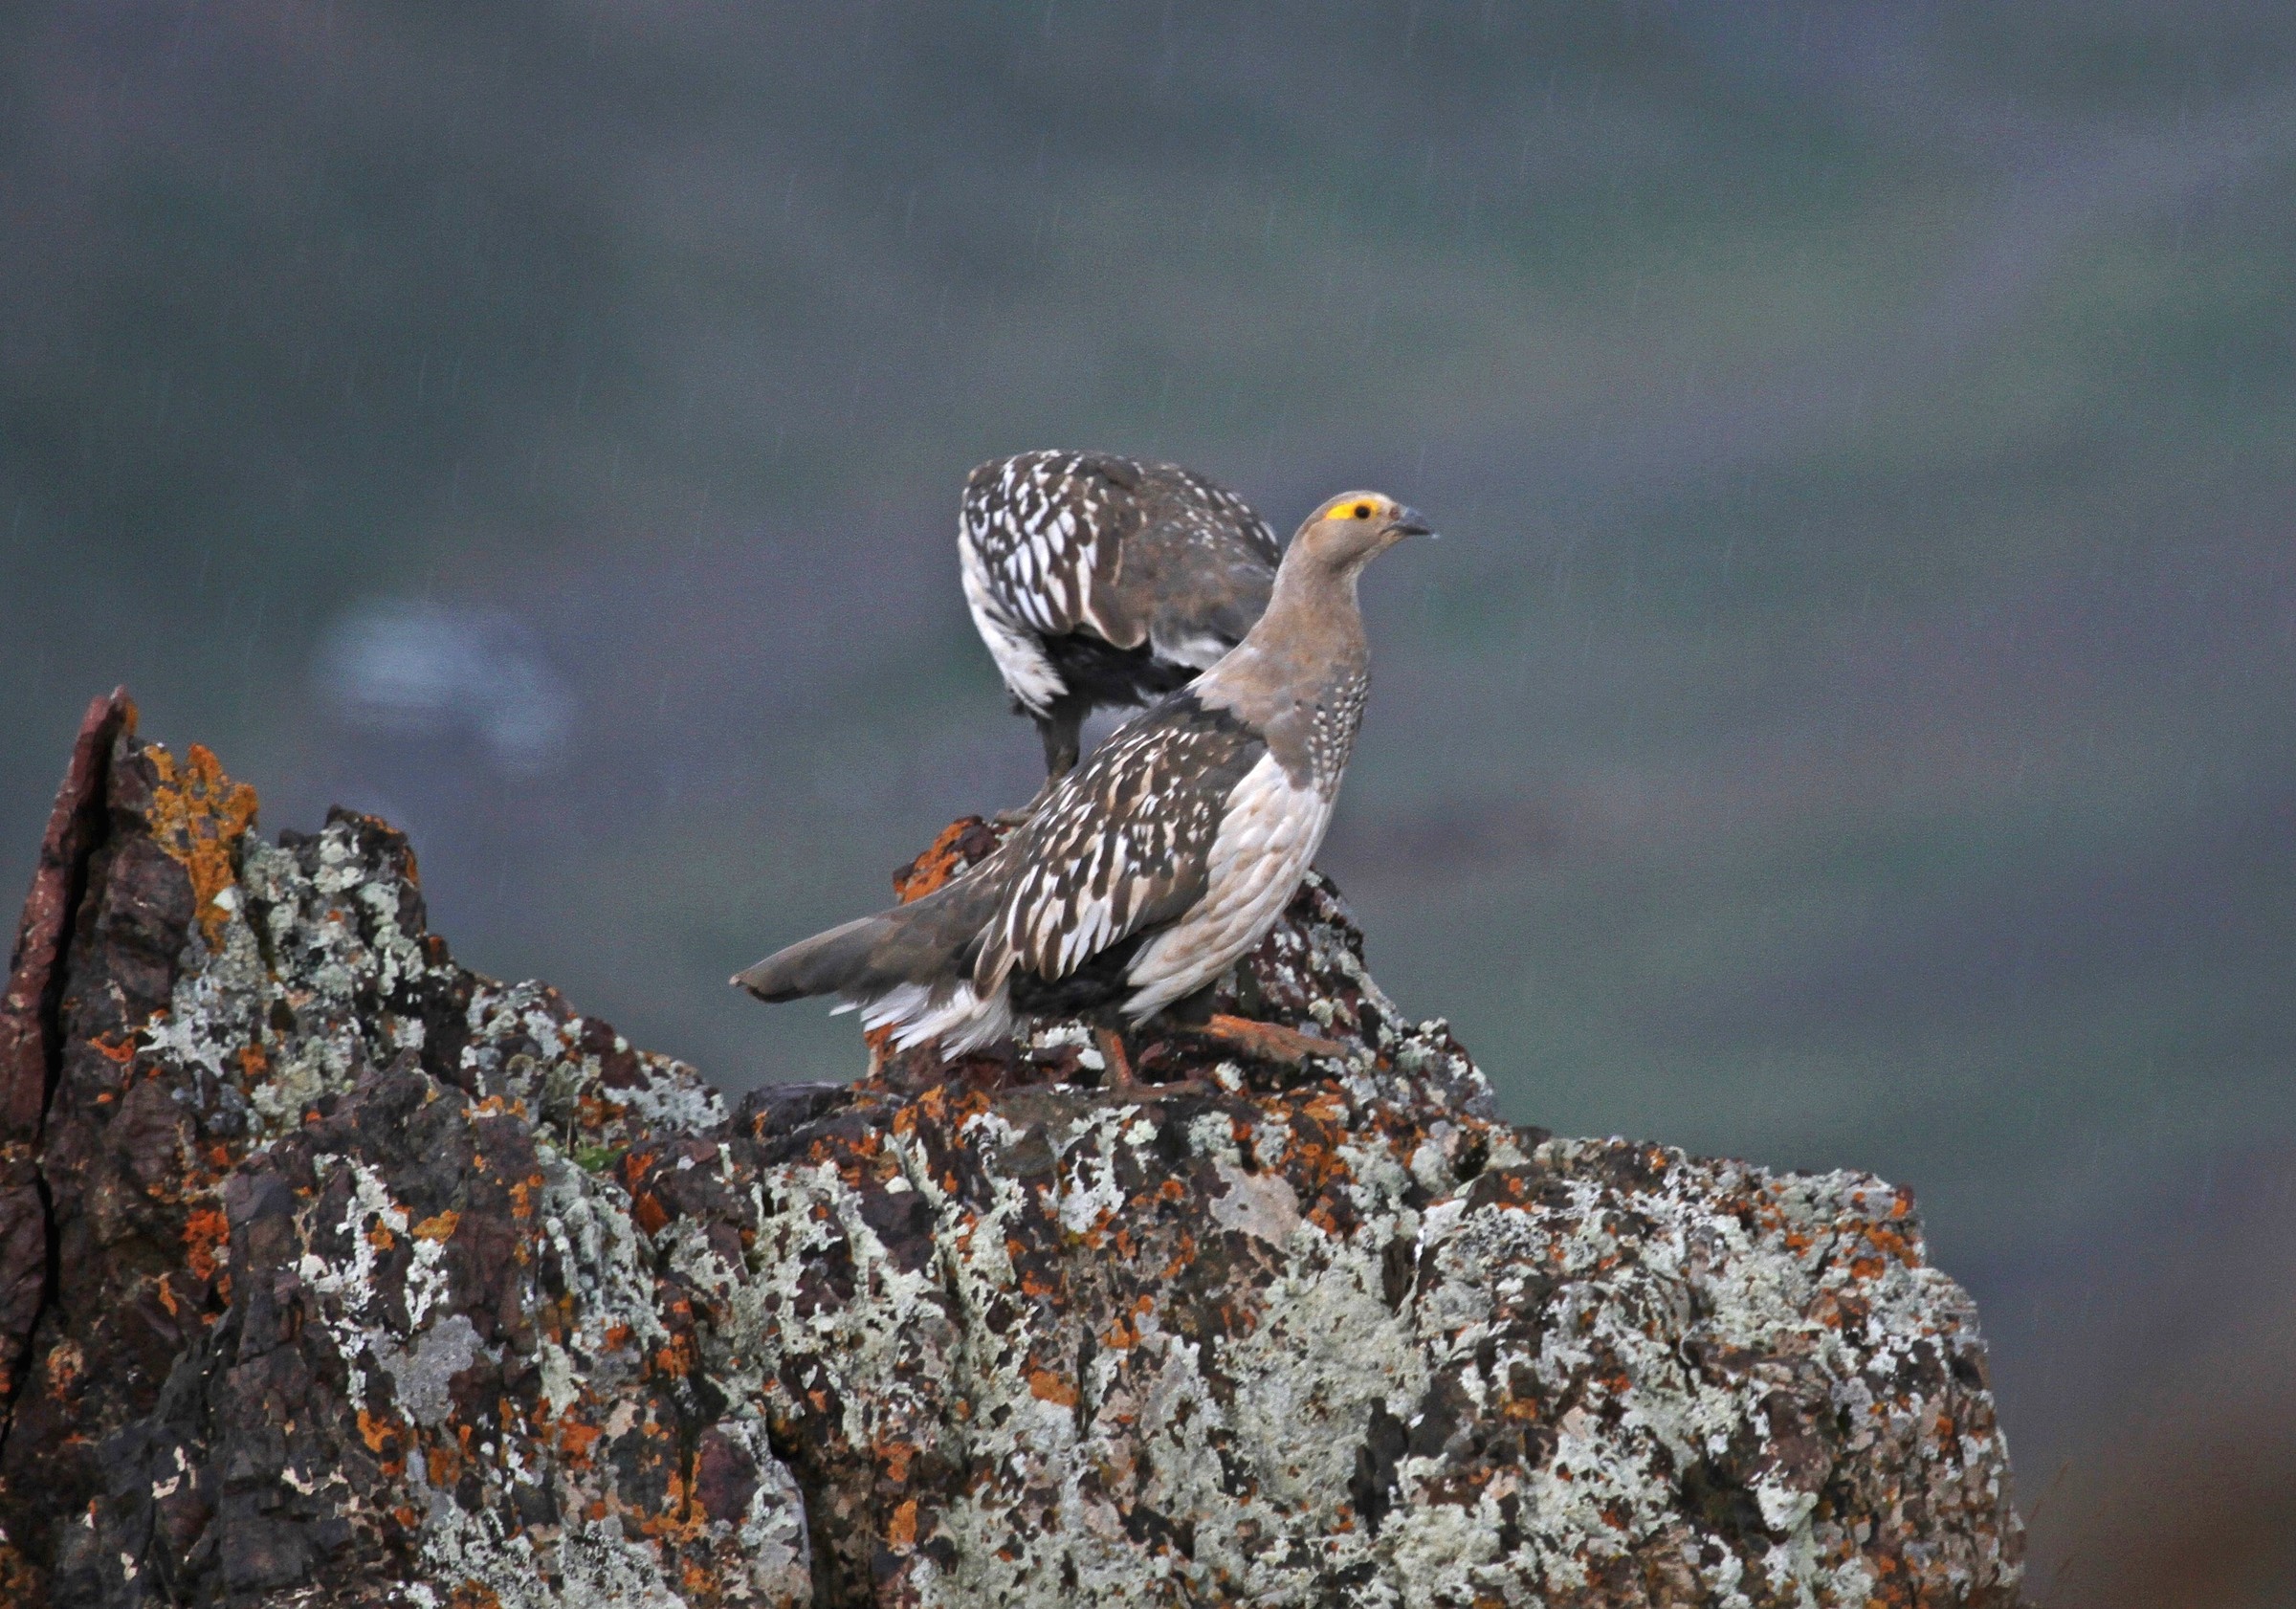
x: 1154, y: 865
x: 1100, y: 581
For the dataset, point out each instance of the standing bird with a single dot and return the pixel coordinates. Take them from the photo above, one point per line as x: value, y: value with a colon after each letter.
x: 1151, y: 866
x: 1100, y: 581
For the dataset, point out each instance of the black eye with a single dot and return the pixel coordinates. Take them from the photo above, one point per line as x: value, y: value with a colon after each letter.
x: 1362, y: 511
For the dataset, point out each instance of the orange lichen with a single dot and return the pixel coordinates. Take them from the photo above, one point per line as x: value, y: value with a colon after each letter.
x: 65, y: 1366
x: 1125, y: 1333
x: 575, y: 1437
x: 1889, y: 1243
x: 681, y: 1519
x: 676, y: 1360
x: 596, y: 1112
x: 206, y: 1229
x: 197, y: 817
x: 942, y: 860
x: 1049, y: 1387
x: 901, y: 1530
x: 439, y: 1228
x: 374, y: 1429
x: 521, y: 1196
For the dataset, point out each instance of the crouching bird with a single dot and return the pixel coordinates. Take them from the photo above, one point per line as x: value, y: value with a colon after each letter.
x: 1151, y: 866
x: 1097, y: 581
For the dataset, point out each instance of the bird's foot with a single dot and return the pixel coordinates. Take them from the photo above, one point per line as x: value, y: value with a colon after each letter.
x: 1269, y: 1042
x: 1058, y: 764
x: 1122, y: 1082
x: 1019, y: 814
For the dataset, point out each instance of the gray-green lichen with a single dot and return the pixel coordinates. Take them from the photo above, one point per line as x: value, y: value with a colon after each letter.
x: 510, y: 1313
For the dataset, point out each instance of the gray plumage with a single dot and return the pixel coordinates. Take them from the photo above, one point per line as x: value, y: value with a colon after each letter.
x: 1098, y: 579
x: 1148, y: 870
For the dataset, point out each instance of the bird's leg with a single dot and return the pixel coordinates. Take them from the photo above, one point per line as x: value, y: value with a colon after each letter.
x: 1061, y: 727
x: 1117, y: 1065
x: 1267, y: 1042
x: 1021, y: 813
x: 1121, y: 1080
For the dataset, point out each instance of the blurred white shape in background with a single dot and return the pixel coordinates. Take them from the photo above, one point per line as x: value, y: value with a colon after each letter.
x: 418, y: 668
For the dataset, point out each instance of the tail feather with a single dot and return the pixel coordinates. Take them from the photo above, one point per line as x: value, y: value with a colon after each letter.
x: 824, y: 964
x: 925, y: 945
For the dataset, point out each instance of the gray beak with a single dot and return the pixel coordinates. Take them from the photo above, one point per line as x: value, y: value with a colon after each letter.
x: 1410, y: 522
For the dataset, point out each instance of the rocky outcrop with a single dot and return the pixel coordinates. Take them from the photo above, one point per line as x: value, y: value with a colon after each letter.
x: 334, y: 1273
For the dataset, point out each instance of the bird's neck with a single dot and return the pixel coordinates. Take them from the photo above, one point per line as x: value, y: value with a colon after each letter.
x: 1310, y: 640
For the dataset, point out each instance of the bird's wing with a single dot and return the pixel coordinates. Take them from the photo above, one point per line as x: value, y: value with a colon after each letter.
x: 1230, y: 518
x: 1200, y: 567
x: 1124, y: 843
x: 1270, y: 830
x: 1045, y: 529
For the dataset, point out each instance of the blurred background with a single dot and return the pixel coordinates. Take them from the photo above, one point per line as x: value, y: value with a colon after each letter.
x: 1849, y: 724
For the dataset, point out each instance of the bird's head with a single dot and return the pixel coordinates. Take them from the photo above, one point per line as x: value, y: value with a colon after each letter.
x: 1348, y: 532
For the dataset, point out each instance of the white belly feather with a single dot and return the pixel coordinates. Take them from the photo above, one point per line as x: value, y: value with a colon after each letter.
x: 1268, y: 833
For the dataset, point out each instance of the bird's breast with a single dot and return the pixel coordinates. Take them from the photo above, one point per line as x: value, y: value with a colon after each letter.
x: 1332, y: 731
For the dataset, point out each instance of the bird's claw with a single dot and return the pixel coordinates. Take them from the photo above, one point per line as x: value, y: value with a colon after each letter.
x: 1123, y: 1082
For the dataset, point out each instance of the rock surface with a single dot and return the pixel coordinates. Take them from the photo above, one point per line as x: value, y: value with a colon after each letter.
x: 334, y: 1273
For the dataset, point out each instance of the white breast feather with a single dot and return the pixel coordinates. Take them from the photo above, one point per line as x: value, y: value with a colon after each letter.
x: 1268, y: 832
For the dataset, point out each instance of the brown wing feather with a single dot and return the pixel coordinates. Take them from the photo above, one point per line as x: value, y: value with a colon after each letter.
x: 1126, y: 550
x: 1124, y: 843
x: 1045, y: 525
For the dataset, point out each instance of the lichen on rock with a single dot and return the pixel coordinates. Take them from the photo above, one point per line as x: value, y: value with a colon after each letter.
x: 378, y: 1282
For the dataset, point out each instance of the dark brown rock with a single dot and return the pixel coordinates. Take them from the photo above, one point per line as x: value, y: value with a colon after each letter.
x: 31, y: 1036
x: 379, y: 1281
